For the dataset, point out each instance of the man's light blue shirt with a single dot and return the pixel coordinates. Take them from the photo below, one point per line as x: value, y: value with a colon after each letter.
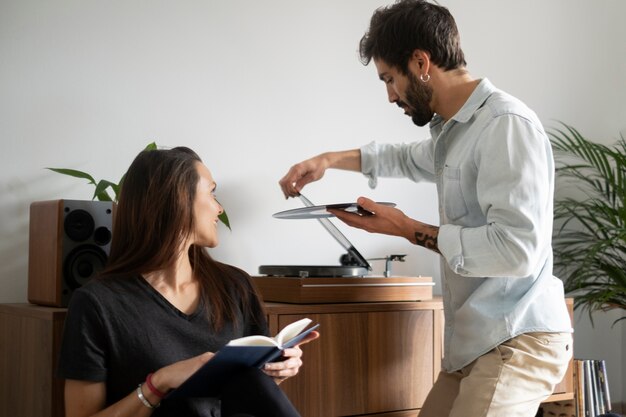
x: 493, y: 167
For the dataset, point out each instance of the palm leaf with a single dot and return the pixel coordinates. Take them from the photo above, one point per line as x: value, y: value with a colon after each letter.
x: 590, y: 242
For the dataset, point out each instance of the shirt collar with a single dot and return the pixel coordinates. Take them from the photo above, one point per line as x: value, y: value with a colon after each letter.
x: 480, y: 94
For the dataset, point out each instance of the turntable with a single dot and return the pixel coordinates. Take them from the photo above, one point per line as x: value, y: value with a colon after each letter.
x: 352, y: 263
x: 348, y: 282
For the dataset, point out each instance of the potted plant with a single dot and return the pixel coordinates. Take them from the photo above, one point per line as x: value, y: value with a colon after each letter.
x: 590, y: 233
x: 101, y: 192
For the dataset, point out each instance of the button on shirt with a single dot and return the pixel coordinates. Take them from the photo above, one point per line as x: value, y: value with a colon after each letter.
x: 493, y: 167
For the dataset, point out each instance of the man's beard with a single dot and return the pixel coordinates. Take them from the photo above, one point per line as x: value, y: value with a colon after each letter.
x: 418, y: 97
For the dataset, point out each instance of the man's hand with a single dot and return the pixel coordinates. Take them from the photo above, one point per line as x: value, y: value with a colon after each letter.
x: 301, y: 174
x: 313, y: 169
x: 390, y: 221
x: 384, y: 219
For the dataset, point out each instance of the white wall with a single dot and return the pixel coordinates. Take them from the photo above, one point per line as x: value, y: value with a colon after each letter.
x: 257, y: 86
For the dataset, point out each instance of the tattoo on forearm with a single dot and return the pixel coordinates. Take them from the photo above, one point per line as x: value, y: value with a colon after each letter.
x: 428, y: 238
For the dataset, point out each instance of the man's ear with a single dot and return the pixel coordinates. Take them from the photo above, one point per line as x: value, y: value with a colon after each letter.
x: 419, y: 62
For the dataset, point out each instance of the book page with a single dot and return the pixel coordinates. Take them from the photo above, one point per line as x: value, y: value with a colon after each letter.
x: 291, y: 330
x: 254, y: 340
x: 287, y: 333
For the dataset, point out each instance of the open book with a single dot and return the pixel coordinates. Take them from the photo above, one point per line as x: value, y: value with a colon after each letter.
x: 237, y: 355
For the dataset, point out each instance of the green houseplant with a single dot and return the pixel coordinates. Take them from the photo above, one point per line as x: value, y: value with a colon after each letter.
x: 590, y: 236
x: 102, y: 187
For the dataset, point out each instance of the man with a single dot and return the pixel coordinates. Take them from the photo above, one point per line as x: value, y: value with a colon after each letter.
x: 507, y: 331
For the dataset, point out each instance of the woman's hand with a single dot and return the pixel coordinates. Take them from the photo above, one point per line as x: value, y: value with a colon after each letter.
x: 291, y: 363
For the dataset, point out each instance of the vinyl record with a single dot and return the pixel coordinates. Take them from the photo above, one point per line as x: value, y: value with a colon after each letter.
x: 319, y: 212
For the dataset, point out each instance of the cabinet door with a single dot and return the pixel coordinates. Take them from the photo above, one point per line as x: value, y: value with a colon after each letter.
x: 29, y: 344
x: 364, y: 363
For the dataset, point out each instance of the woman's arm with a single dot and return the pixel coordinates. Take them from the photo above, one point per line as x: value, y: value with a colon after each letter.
x: 85, y: 398
x: 88, y: 399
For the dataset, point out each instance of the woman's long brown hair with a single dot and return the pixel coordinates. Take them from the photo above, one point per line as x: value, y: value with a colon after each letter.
x: 155, y: 215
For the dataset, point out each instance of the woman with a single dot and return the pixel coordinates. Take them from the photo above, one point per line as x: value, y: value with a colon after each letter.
x: 162, y: 306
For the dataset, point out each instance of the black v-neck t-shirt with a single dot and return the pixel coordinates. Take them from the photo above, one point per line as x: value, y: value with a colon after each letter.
x: 120, y: 329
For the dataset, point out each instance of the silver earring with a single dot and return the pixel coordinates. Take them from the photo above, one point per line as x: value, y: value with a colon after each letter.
x: 424, y: 78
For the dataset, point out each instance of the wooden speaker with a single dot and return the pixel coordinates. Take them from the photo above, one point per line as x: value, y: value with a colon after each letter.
x: 69, y: 243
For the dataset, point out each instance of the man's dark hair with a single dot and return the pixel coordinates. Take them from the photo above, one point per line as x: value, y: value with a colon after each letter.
x: 396, y: 31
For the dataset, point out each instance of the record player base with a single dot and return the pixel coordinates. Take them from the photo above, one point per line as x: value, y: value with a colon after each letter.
x: 344, y: 289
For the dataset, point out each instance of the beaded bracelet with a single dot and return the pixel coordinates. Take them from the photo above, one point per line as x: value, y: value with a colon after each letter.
x: 154, y: 389
x: 143, y: 399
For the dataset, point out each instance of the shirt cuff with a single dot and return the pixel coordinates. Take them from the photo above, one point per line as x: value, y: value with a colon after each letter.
x: 369, y: 159
x: 449, y: 244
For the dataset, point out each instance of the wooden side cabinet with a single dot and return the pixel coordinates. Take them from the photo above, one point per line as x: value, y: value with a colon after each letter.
x: 30, y: 337
x: 374, y: 359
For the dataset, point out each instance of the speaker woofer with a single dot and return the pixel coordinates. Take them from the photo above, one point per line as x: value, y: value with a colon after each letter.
x: 78, y: 225
x: 82, y: 264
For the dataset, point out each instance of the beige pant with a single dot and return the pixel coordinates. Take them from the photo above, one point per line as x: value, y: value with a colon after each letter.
x: 509, y: 381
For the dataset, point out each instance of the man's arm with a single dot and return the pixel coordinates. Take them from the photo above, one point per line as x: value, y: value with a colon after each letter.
x: 426, y: 235
x: 389, y: 221
x: 313, y: 169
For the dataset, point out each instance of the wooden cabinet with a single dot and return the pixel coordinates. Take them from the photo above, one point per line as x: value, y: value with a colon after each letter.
x: 30, y: 337
x: 374, y: 359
